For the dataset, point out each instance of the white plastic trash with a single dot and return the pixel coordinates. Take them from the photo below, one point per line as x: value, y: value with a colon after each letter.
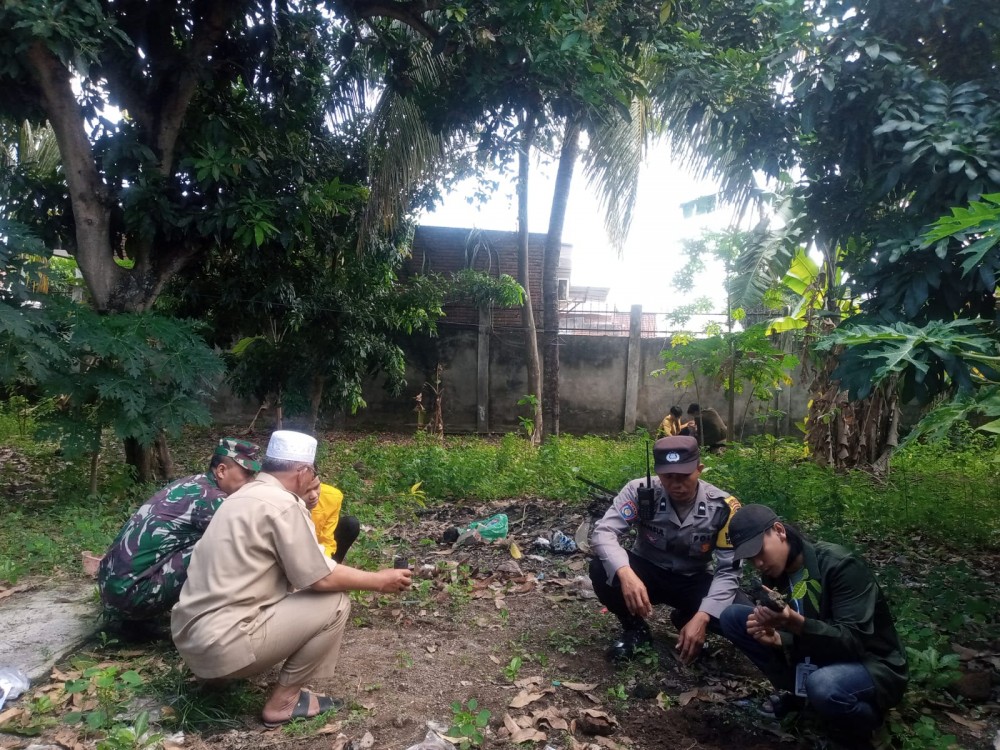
x: 13, y: 682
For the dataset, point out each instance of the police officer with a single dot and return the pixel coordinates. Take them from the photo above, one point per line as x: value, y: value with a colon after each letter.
x: 681, y: 522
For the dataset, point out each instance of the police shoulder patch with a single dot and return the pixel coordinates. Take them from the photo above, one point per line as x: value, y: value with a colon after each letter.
x: 723, y: 541
x: 628, y: 510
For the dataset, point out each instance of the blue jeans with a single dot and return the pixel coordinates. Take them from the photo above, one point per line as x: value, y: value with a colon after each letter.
x: 838, y: 692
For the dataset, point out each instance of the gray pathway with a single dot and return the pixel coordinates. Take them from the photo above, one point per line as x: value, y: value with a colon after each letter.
x: 41, y: 626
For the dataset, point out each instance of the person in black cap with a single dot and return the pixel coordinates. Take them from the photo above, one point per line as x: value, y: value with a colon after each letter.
x: 834, y: 645
x: 682, y: 521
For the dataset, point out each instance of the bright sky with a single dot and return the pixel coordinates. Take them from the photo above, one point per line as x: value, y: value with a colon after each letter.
x: 644, y: 274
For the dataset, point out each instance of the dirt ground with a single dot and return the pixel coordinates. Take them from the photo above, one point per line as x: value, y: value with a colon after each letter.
x: 475, y: 608
x: 405, y: 661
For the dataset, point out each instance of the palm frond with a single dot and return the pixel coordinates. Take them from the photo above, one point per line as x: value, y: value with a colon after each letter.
x: 404, y: 147
x: 613, y: 159
x: 760, y: 265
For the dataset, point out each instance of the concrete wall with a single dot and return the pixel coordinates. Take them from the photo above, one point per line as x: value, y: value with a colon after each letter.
x: 593, y: 377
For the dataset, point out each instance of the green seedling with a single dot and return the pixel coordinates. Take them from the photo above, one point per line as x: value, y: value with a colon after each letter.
x: 513, y: 669
x: 468, y: 722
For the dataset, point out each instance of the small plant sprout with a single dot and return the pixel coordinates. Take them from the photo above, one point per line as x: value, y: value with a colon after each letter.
x: 512, y: 669
x: 468, y: 722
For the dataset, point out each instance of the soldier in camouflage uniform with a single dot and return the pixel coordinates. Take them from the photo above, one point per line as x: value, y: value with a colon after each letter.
x: 143, y: 571
x: 685, y: 523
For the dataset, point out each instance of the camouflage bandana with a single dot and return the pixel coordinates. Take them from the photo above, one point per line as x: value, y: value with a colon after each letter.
x: 243, y: 452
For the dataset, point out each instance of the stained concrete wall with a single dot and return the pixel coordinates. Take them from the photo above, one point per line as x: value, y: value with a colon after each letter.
x: 592, y: 388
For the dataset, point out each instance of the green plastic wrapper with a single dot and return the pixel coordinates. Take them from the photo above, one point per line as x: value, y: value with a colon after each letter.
x: 494, y: 527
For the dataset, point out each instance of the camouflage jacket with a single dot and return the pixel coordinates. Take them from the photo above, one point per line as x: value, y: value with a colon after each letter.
x: 143, y: 571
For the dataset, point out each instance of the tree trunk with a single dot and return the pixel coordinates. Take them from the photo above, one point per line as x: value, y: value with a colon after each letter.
x: 315, y: 399
x: 94, y: 463
x: 550, y: 273
x: 164, y: 466
x: 140, y: 458
x: 527, y: 312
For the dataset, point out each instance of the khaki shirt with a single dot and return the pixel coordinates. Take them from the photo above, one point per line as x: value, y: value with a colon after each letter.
x: 260, y: 545
x: 685, y: 547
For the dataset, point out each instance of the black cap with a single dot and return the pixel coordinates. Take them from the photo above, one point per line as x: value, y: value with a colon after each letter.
x: 676, y: 455
x: 746, y: 529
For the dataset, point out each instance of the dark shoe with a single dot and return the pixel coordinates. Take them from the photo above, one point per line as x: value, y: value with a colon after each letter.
x: 778, y: 706
x: 632, y: 640
x: 301, y: 710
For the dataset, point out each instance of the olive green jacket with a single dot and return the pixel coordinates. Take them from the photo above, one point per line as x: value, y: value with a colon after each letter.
x: 851, y: 623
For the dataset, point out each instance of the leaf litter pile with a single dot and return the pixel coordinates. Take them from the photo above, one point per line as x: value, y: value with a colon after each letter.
x: 508, y: 631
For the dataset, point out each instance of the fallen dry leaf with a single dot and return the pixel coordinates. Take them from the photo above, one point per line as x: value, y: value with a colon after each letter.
x: 15, y: 590
x: 593, y: 698
x: 523, y: 698
x: 494, y: 659
x: 553, y: 717
x: 528, y: 735
x: 9, y: 715
x: 976, y: 727
x: 529, y: 681
x: 511, y: 725
x: 608, y: 743
x: 580, y: 687
x: 71, y: 740
x: 339, y: 742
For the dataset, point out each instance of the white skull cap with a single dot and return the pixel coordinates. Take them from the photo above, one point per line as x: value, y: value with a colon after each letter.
x: 292, y: 446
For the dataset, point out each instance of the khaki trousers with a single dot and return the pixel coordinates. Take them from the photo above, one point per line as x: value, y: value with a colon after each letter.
x: 305, y: 630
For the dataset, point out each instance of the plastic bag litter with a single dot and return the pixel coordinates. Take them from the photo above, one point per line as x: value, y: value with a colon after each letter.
x: 494, y: 527
x: 562, y: 543
x: 13, y: 682
x: 433, y: 741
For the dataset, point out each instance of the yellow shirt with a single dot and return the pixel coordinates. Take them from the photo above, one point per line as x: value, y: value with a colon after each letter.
x: 670, y: 426
x: 325, y: 516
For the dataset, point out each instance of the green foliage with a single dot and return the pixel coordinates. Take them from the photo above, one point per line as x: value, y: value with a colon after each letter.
x: 513, y: 668
x: 929, y: 360
x: 528, y: 423
x: 113, y: 688
x: 931, y: 670
x: 136, y: 736
x: 467, y: 723
x: 134, y: 373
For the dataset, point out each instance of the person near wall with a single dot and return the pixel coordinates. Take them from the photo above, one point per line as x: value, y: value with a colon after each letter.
x: 834, y: 646
x: 262, y: 591
x: 682, y: 522
x: 335, y: 532
x: 707, y: 426
x: 671, y: 424
x: 142, y: 572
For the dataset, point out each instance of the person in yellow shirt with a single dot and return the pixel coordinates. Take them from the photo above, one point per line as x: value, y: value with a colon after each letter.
x: 671, y: 424
x: 335, y: 533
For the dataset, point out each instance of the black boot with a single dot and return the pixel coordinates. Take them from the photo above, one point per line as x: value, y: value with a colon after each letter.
x: 633, y: 637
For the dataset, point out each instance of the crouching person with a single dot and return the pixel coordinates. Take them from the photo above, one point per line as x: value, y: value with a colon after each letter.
x: 834, y: 645
x: 261, y: 590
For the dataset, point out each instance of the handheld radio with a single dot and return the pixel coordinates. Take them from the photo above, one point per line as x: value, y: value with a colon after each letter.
x: 646, y: 497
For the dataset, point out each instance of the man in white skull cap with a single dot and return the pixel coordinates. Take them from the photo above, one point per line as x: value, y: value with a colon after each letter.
x: 261, y: 590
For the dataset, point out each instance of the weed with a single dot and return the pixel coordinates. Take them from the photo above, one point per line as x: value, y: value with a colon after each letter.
x: 404, y: 660
x: 111, y: 687
x: 306, y: 727
x: 467, y: 723
x: 564, y: 643
x: 513, y: 669
x: 131, y: 737
x: 618, y: 694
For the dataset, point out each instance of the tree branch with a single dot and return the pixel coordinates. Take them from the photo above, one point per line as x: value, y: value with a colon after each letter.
x: 88, y: 194
x: 408, y: 13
